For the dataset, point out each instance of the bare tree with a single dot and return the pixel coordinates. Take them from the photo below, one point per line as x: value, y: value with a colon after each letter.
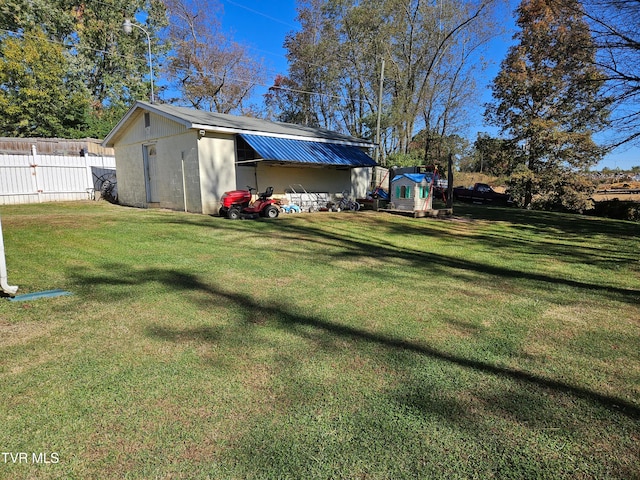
x: 212, y: 71
x: 426, y: 47
x: 614, y: 29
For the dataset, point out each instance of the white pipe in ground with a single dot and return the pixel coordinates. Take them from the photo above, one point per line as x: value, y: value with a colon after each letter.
x: 11, y: 290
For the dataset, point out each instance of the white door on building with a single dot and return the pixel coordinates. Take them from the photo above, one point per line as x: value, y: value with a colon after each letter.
x: 151, y: 173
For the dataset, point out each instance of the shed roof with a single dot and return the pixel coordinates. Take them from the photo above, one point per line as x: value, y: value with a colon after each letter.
x: 220, y: 122
x: 414, y: 177
x: 287, y: 150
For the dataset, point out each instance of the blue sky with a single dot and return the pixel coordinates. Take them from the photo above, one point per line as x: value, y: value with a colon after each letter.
x: 262, y: 25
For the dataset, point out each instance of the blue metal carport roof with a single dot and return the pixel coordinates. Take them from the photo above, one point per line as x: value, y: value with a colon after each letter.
x: 307, y: 152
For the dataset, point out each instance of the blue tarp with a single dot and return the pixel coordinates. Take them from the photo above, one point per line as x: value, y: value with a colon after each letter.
x: 380, y: 193
x: 308, y: 152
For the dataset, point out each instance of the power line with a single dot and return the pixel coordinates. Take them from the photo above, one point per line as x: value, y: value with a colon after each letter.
x: 270, y: 71
x: 250, y: 47
x: 61, y: 43
x: 258, y: 13
x: 204, y: 74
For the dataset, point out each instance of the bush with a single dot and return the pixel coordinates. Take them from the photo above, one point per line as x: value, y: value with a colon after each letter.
x: 621, y: 210
x: 561, y: 190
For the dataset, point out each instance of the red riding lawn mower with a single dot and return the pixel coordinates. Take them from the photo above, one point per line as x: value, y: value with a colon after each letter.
x: 237, y: 204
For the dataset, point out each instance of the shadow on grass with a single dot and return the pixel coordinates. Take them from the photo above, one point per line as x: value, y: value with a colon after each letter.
x: 207, y: 334
x: 352, y: 247
x: 575, y: 238
x: 283, y: 316
x: 554, y: 222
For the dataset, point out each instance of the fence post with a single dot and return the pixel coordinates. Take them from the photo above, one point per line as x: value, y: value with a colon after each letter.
x: 90, y: 184
x: 34, y: 173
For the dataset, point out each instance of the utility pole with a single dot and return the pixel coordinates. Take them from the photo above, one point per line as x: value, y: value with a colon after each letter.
x: 379, y: 112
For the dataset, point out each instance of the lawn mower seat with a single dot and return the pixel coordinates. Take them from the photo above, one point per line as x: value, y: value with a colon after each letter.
x: 267, y: 193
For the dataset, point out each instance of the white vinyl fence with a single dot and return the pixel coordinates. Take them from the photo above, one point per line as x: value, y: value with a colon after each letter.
x: 36, y: 178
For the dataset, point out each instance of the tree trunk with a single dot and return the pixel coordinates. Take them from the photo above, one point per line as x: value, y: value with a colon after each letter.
x: 528, y: 188
x: 450, y: 182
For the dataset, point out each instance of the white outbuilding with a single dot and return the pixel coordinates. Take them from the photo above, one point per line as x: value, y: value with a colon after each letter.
x: 185, y: 159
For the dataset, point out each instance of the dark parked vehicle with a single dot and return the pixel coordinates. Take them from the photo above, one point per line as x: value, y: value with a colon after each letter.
x: 481, y: 193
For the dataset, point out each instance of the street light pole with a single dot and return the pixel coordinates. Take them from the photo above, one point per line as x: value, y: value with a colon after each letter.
x: 127, y: 28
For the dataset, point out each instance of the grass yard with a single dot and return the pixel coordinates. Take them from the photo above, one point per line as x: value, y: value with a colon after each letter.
x: 499, y: 344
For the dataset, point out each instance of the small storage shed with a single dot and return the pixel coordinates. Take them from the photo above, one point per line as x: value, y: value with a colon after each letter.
x: 411, y: 192
x: 185, y: 159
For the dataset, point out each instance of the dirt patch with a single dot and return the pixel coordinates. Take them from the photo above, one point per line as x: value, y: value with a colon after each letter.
x: 466, y: 179
x: 21, y: 333
x: 623, y: 197
x: 622, y: 191
x: 620, y: 185
x: 15, y: 335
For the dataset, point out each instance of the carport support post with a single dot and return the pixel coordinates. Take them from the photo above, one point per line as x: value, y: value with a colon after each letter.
x: 11, y: 290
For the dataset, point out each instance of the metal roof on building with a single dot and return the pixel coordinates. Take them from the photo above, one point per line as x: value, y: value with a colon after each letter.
x: 220, y: 122
x: 308, y: 152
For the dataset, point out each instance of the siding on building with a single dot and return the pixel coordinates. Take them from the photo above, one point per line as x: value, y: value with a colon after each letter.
x: 195, y: 160
x: 171, y: 154
x: 216, y: 157
x: 146, y: 126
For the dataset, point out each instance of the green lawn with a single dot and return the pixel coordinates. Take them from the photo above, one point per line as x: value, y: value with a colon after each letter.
x: 499, y: 344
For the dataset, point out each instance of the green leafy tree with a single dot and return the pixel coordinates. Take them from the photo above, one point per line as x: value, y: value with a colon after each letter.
x: 414, y: 159
x: 36, y: 100
x: 496, y: 156
x: 96, y: 60
x: 114, y: 65
x: 440, y: 147
x: 281, y: 105
x: 50, y: 16
x: 547, y: 99
x: 312, y: 89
